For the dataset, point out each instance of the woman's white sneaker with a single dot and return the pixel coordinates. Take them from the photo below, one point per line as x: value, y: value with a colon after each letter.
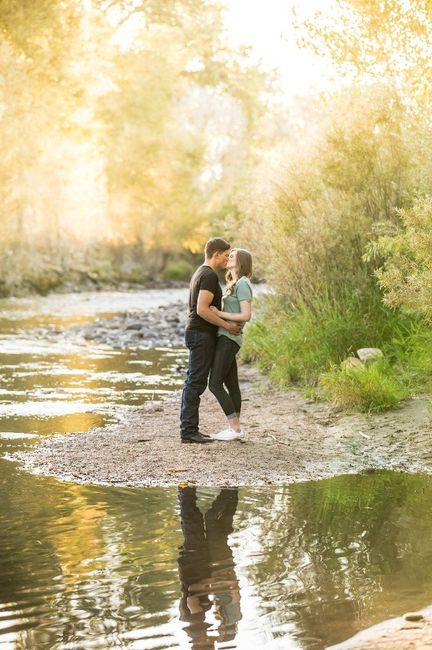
x: 228, y: 434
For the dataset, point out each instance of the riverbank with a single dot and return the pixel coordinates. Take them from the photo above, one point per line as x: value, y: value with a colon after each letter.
x: 288, y: 439
x: 83, y: 283
x: 161, y: 326
x: 412, y: 631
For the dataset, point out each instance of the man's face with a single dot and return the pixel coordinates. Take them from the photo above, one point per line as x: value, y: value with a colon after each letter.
x: 221, y: 259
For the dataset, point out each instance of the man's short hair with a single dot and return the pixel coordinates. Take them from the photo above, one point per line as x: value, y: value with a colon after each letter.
x: 216, y: 245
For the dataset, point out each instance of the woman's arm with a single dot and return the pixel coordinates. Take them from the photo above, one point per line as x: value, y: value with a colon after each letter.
x: 242, y: 317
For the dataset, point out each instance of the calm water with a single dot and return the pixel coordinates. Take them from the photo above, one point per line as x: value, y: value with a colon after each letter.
x: 302, y: 566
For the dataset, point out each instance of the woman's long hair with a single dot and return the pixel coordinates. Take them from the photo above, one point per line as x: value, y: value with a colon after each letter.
x: 244, y: 268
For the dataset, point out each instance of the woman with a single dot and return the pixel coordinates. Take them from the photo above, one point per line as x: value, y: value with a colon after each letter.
x: 237, y: 307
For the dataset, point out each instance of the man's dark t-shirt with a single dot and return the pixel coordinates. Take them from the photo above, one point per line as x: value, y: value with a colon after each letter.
x: 206, y: 279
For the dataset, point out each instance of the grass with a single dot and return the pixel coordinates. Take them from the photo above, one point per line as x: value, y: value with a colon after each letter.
x: 373, y: 388
x: 305, y: 347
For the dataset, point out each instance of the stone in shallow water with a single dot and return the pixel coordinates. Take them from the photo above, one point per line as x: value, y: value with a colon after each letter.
x: 136, y: 325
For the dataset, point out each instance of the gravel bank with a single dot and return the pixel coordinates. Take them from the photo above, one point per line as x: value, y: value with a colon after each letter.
x: 288, y: 439
x: 156, y: 327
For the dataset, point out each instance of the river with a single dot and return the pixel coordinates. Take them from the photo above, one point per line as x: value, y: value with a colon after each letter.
x: 84, y: 566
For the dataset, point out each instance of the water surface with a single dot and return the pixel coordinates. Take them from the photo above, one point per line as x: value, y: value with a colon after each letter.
x: 297, y: 567
x: 50, y: 386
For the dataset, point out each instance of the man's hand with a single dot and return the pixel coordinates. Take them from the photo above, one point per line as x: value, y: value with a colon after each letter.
x: 233, y: 328
x: 230, y: 326
x: 209, y: 314
x: 205, y: 310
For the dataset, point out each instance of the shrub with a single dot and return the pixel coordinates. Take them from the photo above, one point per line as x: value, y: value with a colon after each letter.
x: 306, y: 346
x: 311, y: 236
x: 177, y: 270
x: 406, y: 275
x: 412, y: 351
x: 45, y: 282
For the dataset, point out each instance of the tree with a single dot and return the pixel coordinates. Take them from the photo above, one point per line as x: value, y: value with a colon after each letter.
x: 406, y: 274
x: 390, y: 39
x: 108, y: 112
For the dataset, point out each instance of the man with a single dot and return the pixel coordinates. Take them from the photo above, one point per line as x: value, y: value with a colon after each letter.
x: 206, y: 567
x: 200, y: 336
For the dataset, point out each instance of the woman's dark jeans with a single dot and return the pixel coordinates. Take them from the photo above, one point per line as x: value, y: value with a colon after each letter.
x: 201, y: 345
x: 224, y: 371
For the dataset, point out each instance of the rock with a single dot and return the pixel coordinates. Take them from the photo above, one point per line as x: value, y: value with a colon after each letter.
x: 413, y: 616
x: 135, y: 335
x: 369, y: 354
x: 136, y: 325
x: 352, y: 362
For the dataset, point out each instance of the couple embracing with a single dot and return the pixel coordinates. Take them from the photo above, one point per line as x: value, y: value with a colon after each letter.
x: 214, y: 336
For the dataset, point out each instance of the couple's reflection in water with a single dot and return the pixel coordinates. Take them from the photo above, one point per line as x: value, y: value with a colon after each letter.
x: 210, y: 595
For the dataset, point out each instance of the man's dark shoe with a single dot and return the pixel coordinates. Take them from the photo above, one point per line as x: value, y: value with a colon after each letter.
x: 197, y: 438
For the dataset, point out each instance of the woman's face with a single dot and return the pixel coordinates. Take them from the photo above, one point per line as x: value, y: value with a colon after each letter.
x: 232, y: 260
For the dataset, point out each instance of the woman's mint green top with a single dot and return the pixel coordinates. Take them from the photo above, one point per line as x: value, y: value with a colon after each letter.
x: 242, y: 291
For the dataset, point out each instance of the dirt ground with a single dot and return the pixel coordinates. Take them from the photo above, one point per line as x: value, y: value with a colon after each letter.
x: 287, y: 439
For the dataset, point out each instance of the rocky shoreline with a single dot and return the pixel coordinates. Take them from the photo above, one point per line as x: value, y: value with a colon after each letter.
x: 288, y: 438
x: 153, y: 328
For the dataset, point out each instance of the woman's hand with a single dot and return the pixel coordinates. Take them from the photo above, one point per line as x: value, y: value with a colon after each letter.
x: 215, y: 310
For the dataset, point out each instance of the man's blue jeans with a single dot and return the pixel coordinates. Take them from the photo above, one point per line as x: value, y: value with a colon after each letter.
x: 201, y: 347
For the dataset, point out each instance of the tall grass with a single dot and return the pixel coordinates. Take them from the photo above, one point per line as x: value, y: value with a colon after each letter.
x: 296, y: 344
x: 306, y: 347
x: 375, y: 387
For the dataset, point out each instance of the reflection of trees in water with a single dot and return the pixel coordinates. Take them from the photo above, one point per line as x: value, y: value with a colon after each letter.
x: 206, y: 568
x: 331, y: 548
x: 95, y: 563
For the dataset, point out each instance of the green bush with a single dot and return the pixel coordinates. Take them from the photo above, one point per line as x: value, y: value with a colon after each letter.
x: 359, y: 176
x: 413, y: 354
x: 177, y: 270
x: 311, y: 235
x: 45, y: 282
x: 305, y: 346
x: 406, y: 274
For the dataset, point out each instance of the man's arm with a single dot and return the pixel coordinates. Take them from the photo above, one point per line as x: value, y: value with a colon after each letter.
x: 205, y: 298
